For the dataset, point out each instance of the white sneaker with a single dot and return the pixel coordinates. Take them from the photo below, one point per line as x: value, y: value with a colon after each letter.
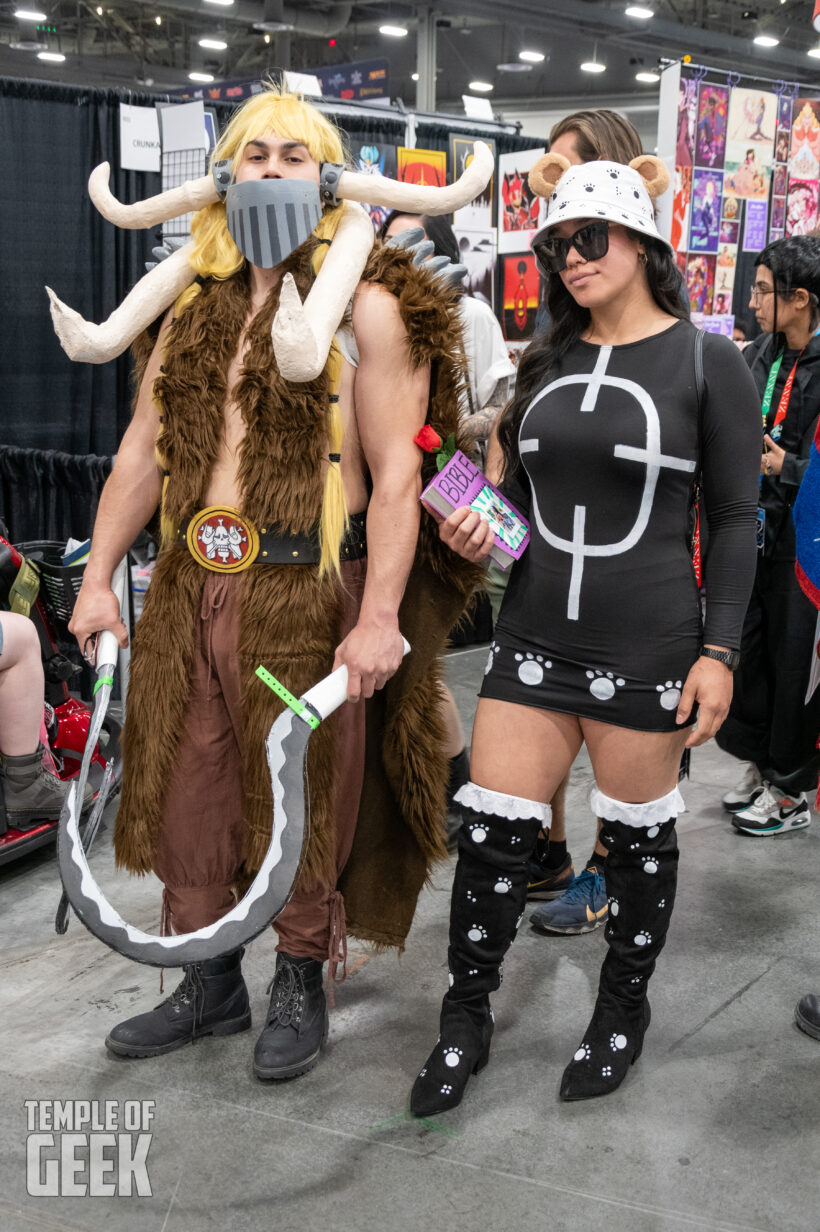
x: 746, y: 792
x: 773, y: 812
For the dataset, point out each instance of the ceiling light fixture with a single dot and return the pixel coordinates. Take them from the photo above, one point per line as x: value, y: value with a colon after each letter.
x: 204, y: 77
x: 637, y: 10
x: 393, y: 31
x: 481, y: 87
x: 414, y: 76
x: 532, y: 57
x: 225, y: 3
x: 766, y: 40
x: 158, y: 20
x: 649, y: 78
x: 29, y: 15
x: 55, y: 57
x: 213, y: 44
x: 815, y: 52
x: 267, y: 38
x: 593, y: 66
x: 99, y: 10
x: 514, y: 66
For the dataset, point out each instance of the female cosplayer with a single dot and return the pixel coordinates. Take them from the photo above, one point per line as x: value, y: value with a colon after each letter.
x: 600, y: 637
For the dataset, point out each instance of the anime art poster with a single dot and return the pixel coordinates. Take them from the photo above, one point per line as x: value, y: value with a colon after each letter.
x: 679, y: 235
x: 780, y: 180
x: 750, y: 143
x: 782, y: 146
x: 784, y: 112
x: 777, y: 223
x: 713, y: 107
x: 477, y: 251
x: 707, y: 191
x: 478, y: 215
x: 519, y: 295
x: 801, y: 206
x: 422, y: 166
x: 725, y: 267
x: 374, y: 158
x: 804, y: 154
x: 520, y: 211
x: 729, y: 231
x: 687, y: 118
x: 700, y: 282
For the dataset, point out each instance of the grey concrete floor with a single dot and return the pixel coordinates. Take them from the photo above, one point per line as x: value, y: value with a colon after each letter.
x: 716, y: 1127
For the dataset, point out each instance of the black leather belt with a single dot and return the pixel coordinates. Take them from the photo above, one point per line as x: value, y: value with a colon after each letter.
x: 223, y: 541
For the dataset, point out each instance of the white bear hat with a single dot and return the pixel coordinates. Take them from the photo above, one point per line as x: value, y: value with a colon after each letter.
x: 615, y: 191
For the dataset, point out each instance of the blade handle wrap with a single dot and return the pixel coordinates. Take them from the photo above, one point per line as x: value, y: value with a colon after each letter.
x: 107, y: 645
x: 322, y: 699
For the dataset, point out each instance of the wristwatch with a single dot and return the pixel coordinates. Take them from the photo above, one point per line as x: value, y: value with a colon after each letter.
x: 729, y: 658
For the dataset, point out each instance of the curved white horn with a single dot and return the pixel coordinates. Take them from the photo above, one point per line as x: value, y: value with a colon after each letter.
x: 420, y: 198
x: 96, y: 344
x: 302, y: 333
x: 192, y: 195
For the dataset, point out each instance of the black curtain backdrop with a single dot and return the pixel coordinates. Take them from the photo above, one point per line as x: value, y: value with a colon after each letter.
x: 45, y: 494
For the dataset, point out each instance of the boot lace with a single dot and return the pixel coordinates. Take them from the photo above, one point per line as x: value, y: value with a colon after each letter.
x: 191, y: 992
x: 288, y: 1001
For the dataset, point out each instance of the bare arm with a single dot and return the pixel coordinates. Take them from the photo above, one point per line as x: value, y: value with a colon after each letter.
x: 129, y: 498
x: 391, y: 403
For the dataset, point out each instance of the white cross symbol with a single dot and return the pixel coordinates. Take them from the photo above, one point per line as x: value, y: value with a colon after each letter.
x: 650, y: 456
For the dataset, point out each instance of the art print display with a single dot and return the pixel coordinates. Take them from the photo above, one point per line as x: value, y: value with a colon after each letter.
x: 729, y: 231
x: 804, y: 155
x: 780, y: 180
x: 681, y: 201
x: 700, y: 282
x: 801, y: 207
x: 519, y: 295
x: 520, y: 211
x: 784, y: 112
x: 714, y: 323
x: 782, y: 146
x: 478, y: 215
x: 713, y: 107
x: 477, y: 251
x: 754, y: 226
x: 375, y: 158
x: 778, y: 219
x: 750, y: 143
x: 725, y: 268
x: 707, y: 192
x: 687, y: 118
x: 422, y: 166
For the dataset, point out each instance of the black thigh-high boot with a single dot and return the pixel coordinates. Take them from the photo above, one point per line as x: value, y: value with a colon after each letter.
x: 497, y: 836
x: 641, y: 876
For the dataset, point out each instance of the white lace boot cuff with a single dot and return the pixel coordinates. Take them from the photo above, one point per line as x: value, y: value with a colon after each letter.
x: 514, y: 808
x: 652, y: 813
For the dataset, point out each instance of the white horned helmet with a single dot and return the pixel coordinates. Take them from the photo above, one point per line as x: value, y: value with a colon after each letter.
x: 302, y: 333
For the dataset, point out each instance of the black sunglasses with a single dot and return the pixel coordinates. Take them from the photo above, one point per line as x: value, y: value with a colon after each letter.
x: 590, y: 242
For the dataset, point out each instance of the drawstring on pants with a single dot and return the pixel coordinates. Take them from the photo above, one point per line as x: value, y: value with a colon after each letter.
x: 213, y: 596
x: 337, y: 944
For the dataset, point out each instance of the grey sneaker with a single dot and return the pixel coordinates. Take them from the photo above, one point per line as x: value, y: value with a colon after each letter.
x: 746, y: 791
x: 32, y: 794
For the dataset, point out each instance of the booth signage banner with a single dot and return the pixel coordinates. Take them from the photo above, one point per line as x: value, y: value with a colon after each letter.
x: 139, y: 139
x: 364, y: 81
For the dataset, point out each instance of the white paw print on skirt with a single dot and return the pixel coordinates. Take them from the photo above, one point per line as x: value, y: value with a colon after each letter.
x: 603, y: 685
x: 669, y: 693
x: 494, y: 649
x: 478, y: 833
x: 450, y: 978
x: 583, y: 1053
x: 614, y: 906
x: 503, y: 885
x: 662, y: 903
x: 649, y: 865
x: 477, y: 933
x: 642, y: 938
x: 471, y: 898
x: 531, y: 668
x: 653, y: 832
x: 617, y: 1042
x: 452, y: 1056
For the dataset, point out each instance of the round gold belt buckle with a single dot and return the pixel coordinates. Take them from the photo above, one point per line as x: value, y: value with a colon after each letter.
x: 220, y: 539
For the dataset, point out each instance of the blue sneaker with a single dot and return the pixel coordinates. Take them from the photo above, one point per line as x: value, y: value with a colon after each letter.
x: 580, y: 909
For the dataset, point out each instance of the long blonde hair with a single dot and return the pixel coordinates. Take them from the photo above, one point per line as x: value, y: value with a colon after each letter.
x: 215, y: 255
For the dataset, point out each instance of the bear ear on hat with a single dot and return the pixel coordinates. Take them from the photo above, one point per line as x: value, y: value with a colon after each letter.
x: 546, y: 173
x: 653, y: 172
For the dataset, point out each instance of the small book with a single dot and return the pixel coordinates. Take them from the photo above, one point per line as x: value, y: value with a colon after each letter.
x: 459, y: 483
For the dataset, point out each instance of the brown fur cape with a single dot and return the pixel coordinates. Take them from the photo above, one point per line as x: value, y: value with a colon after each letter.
x: 400, y: 822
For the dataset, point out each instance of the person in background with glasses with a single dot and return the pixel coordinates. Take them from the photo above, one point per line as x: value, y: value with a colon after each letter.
x: 600, y: 639
x: 771, y: 726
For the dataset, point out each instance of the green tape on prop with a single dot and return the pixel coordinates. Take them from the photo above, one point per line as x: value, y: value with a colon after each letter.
x: 103, y: 680
x: 287, y: 697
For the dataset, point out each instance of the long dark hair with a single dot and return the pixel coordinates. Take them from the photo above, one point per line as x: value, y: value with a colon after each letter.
x: 568, y: 321
x: 436, y: 228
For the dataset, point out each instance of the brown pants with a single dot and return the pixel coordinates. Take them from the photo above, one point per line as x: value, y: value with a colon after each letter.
x: 200, y: 848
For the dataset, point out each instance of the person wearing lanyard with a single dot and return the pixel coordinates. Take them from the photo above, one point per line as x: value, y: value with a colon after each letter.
x: 770, y: 726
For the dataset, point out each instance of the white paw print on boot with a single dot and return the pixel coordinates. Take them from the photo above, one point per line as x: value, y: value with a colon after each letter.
x: 669, y: 693
x: 606, y: 1071
x: 653, y: 832
x: 649, y: 864
x: 452, y: 1056
x: 662, y: 903
x: 617, y: 1042
x: 531, y: 668
x: 603, y: 685
x: 583, y: 1053
x: 446, y: 1089
x: 478, y: 833
x: 477, y: 933
x: 503, y: 885
x: 642, y: 938
x: 450, y: 978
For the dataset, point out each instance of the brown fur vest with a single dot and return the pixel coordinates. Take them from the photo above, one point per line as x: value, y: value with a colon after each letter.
x: 400, y: 822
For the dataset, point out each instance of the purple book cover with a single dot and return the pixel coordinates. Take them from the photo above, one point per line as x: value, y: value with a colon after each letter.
x: 461, y: 483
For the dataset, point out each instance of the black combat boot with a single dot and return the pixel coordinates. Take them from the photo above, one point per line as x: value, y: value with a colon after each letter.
x: 211, y: 1000
x: 297, y: 1025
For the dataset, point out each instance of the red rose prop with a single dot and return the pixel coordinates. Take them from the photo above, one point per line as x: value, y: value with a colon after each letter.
x: 428, y: 439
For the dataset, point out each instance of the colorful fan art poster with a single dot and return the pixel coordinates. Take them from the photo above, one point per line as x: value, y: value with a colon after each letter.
x: 780, y: 180
x: 782, y: 146
x: 373, y: 158
x: 713, y: 107
x: 729, y: 231
x: 422, y: 166
x: 725, y: 267
x: 687, y: 117
x: 777, y: 224
x: 520, y: 211
x: 801, y: 206
x: 750, y: 143
x: 700, y: 282
x: 804, y: 155
x: 476, y: 250
x: 784, y: 112
x: 707, y: 191
x: 519, y: 295
x: 478, y: 215
x: 679, y: 235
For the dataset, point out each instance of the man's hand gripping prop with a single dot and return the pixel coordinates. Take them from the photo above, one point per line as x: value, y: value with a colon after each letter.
x: 302, y: 332
x: 286, y: 748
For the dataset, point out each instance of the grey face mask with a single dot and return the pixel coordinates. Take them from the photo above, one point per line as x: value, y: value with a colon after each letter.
x: 270, y: 219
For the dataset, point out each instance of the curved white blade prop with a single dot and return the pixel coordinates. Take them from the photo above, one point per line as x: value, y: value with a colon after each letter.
x: 286, y: 748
